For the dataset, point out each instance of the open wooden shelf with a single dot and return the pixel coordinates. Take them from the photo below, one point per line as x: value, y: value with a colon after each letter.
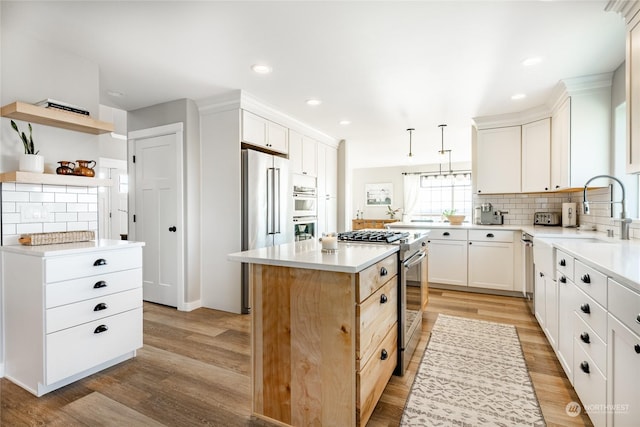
x: 57, y: 118
x: 54, y: 179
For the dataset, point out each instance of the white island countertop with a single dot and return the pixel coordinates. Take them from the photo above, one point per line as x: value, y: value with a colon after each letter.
x: 349, y: 258
x: 71, y: 248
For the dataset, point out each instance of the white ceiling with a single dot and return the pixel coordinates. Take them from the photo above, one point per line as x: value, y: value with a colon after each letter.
x: 384, y: 65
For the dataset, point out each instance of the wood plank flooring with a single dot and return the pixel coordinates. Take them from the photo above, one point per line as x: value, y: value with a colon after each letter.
x: 194, y: 371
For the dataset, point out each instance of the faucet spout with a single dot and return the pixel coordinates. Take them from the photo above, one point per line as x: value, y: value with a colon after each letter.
x: 624, y: 221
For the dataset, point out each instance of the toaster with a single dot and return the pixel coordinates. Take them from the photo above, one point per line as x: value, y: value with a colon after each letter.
x: 547, y: 218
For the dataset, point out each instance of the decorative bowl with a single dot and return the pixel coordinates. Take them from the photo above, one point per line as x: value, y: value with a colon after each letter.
x: 455, y: 219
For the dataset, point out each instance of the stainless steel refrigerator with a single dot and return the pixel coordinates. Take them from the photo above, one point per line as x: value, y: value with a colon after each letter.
x: 267, y: 207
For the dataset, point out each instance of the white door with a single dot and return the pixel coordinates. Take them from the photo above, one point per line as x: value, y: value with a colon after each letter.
x: 157, y: 211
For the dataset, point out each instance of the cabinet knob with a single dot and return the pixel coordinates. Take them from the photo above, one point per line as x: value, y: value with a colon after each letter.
x: 100, y: 284
x: 546, y: 188
x: 563, y: 279
x: 383, y: 299
x: 563, y: 262
x: 584, y: 366
x: 100, y: 262
x: 100, y: 307
x: 586, y: 278
x: 490, y: 235
x: 172, y: 229
x: 100, y: 329
x: 585, y: 308
x: 383, y: 271
x: 637, y: 348
x: 541, y: 274
x: 383, y: 354
x: 638, y: 318
x: 446, y: 233
x: 557, y: 186
x: 585, y: 338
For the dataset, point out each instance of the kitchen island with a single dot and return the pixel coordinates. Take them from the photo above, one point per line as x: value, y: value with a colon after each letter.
x: 324, y: 330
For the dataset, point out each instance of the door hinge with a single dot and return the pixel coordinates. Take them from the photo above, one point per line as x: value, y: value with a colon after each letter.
x: 134, y: 218
x: 134, y: 159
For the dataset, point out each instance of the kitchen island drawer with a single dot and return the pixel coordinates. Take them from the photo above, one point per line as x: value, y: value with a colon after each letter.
x: 446, y: 234
x: 564, y: 264
x: 590, y: 385
x: 505, y: 236
x: 374, y: 376
x: 70, y: 291
x: 592, y: 313
x: 68, y: 316
x: 68, y: 267
x: 624, y: 304
x: 590, y: 342
x: 591, y: 282
x: 374, y: 317
x: 77, y: 349
x: 371, y: 278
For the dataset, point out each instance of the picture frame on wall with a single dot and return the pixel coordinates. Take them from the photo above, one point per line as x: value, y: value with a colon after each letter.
x: 379, y: 194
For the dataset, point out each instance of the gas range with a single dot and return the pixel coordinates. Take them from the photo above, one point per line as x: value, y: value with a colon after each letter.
x: 373, y: 236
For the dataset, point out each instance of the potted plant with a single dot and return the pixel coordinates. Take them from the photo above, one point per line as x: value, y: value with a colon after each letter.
x: 392, y: 212
x: 451, y: 216
x: 30, y: 161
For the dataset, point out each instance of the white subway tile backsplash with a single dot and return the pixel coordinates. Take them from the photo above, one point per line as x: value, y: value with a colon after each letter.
x: 10, y: 218
x: 54, y: 188
x: 31, y: 188
x: 8, y: 186
x: 54, y: 227
x: 9, y: 228
x: 41, y: 197
x: 29, y: 228
x: 66, y: 216
x: 66, y: 198
x: 56, y: 207
x: 15, y: 196
x: 87, y: 198
x: 77, y: 190
x: 8, y: 207
x: 77, y: 207
x: 92, y: 207
x: 75, y: 226
x: 88, y: 216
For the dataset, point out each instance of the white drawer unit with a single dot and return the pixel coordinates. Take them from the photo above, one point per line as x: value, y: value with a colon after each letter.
x: 624, y: 304
x: 592, y: 282
x: 564, y: 265
x: 71, y: 313
x: 440, y: 234
x: 590, y: 342
x: 491, y: 235
x: 592, y: 313
x: 591, y: 385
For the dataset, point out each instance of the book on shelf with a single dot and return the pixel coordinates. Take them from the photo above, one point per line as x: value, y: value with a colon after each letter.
x: 59, y: 105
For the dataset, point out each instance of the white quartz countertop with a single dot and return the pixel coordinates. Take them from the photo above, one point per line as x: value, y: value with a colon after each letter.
x: 349, y: 258
x: 71, y: 248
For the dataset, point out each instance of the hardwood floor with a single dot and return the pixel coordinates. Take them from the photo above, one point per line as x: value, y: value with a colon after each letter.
x: 194, y: 370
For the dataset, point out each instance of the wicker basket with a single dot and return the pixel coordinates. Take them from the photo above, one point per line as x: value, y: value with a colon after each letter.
x: 37, y: 239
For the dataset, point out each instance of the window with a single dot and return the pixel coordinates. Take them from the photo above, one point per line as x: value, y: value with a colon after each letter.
x: 438, y: 193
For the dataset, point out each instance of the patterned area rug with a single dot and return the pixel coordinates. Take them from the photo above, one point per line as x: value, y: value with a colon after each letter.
x: 472, y: 373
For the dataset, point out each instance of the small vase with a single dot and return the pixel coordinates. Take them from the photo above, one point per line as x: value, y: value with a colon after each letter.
x: 31, y: 163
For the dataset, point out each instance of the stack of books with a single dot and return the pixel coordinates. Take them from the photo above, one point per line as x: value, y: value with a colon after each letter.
x: 59, y: 105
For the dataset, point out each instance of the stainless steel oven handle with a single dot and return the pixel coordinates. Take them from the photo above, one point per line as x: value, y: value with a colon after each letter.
x: 415, y: 259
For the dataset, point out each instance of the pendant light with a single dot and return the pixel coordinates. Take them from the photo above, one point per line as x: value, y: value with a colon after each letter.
x: 410, y: 133
x: 444, y: 153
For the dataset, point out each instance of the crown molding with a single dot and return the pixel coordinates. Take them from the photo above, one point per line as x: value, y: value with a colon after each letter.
x: 512, y: 119
x: 626, y: 8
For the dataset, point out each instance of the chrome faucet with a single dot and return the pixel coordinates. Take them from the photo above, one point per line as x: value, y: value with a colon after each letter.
x: 624, y: 221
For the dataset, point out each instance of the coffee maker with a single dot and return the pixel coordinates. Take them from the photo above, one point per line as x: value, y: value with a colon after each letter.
x: 490, y: 217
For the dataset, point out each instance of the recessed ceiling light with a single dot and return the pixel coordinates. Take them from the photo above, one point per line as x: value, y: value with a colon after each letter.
x: 518, y: 96
x: 313, y: 102
x: 261, y: 68
x: 532, y: 61
x: 345, y: 122
x: 115, y: 93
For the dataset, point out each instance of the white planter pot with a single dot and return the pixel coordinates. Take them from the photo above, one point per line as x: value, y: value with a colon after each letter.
x: 31, y: 163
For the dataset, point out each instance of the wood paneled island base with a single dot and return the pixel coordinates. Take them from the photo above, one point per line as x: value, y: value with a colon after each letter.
x: 306, y: 347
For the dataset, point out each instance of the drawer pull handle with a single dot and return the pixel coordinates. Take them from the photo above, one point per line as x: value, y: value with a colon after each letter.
x: 584, y: 366
x: 383, y: 299
x: 585, y: 308
x: 446, y: 233
x: 384, y: 355
x: 100, y: 262
x: 637, y: 348
x: 563, y: 279
x: 100, y: 307
x: 563, y: 262
x: 586, y: 278
x: 490, y: 235
x: 383, y: 271
x: 100, y: 284
x: 100, y: 329
x: 585, y: 338
x: 638, y: 318
x: 541, y: 274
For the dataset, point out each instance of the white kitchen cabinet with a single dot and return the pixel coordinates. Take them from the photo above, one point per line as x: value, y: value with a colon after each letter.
x: 447, y: 261
x: 264, y: 133
x: 491, y: 259
x: 327, y: 188
x: 70, y: 310
x: 633, y: 93
x: 551, y: 310
x: 497, y: 160
x: 539, y: 299
x: 566, y: 306
x: 581, y: 127
x: 536, y: 156
x: 623, y: 375
x: 303, y: 154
